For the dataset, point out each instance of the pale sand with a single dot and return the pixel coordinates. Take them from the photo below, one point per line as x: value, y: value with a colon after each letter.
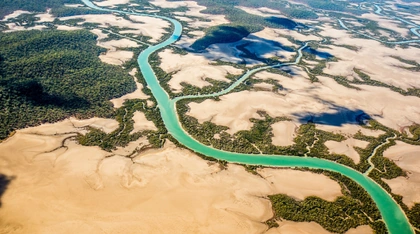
x: 15, y: 14
x: 372, y: 57
x: 346, y: 147
x: 141, y: 123
x: 108, y: 3
x: 290, y: 227
x: 137, y: 94
x: 149, y: 26
x: 67, y: 28
x: 99, y: 33
x: 116, y: 57
x: 302, y: 99
x: 386, y: 22
x: 121, y: 43
x: 263, y: 86
x: 295, y: 184
x: 13, y: 27
x: 105, y: 125
x: 192, y: 69
x: 153, y: 27
x: 45, y: 17
x: 349, y: 130
x: 170, y: 190
x: 274, y: 35
x: 194, y: 10
x: 407, y: 157
x: 113, y: 55
x: 284, y: 132
x: 132, y: 147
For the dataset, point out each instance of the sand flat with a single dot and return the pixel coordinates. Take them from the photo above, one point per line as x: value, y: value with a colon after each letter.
x: 192, y: 69
x: 346, y: 147
x: 295, y: 184
x: 84, y: 189
x: 302, y: 99
x: 407, y: 158
x: 141, y: 123
x: 284, y: 132
x: 149, y: 26
x: 15, y: 14
x: 372, y: 58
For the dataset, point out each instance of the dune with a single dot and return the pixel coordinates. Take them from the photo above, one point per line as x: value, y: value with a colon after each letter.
x: 141, y: 123
x: 147, y: 26
x: 13, y: 27
x: 407, y: 158
x: 346, y: 147
x: 46, y: 17
x: 372, y: 58
x: 67, y: 28
x: 386, y: 22
x: 86, y: 190
x: 105, y: 125
x: 192, y: 69
x: 301, y: 100
x: 116, y: 57
x: 284, y: 132
x: 15, y: 14
x: 193, y: 12
x: 294, y: 183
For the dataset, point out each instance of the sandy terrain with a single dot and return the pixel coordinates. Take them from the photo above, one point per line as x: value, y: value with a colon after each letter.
x: 13, y: 27
x: 15, y: 14
x: 387, y: 23
x: 298, y: 188
x: 141, y: 123
x: 87, y: 190
x: 192, y: 69
x: 407, y: 158
x: 284, y: 132
x: 106, y: 125
x: 274, y: 35
x: 373, y: 58
x: 263, y: 86
x: 113, y: 55
x: 301, y: 100
x: 349, y: 130
x: 147, y: 26
x: 137, y: 94
x: 45, y: 17
x: 346, y: 147
x: 194, y: 10
x: 116, y: 57
x: 67, y: 28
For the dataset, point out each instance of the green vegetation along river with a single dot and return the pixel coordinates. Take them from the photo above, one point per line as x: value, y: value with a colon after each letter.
x: 392, y: 214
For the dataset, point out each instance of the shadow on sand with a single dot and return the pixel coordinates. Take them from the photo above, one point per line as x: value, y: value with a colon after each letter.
x: 337, y: 117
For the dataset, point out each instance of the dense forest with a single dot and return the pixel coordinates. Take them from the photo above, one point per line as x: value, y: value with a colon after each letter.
x: 46, y: 76
x: 9, y: 6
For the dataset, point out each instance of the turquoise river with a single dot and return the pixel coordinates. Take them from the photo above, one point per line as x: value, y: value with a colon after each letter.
x: 392, y: 214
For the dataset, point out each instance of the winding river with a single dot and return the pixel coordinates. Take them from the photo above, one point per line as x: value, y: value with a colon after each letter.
x: 392, y: 214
